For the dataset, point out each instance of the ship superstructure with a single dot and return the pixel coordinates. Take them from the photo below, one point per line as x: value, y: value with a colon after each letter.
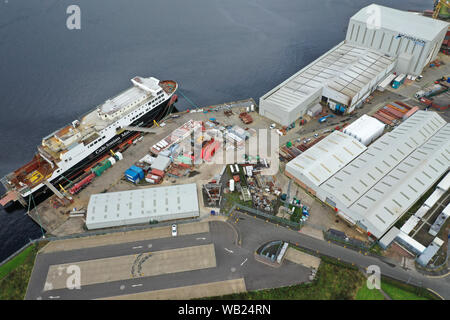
x: 74, y: 146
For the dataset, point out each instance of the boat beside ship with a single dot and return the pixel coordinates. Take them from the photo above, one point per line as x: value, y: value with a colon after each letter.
x: 64, y: 154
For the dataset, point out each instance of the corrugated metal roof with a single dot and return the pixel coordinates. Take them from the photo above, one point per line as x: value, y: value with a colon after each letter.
x: 401, y: 21
x: 389, y: 237
x: 398, y: 190
x: 445, y: 183
x: 413, y: 244
x: 325, y: 158
x: 433, y: 198
x: 353, y: 181
x: 429, y: 253
x: 345, y: 68
x: 142, y: 203
x: 410, y: 224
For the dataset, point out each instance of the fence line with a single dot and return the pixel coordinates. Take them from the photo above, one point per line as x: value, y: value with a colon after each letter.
x: 253, y: 211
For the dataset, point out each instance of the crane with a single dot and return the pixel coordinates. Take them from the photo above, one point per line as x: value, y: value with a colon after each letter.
x: 438, y: 6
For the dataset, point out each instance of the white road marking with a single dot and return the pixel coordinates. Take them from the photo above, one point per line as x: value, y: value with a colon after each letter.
x: 138, y: 247
x: 201, y: 239
x: 137, y: 285
x: 228, y: 250
x: 244, y: 261
x: 53, y: 297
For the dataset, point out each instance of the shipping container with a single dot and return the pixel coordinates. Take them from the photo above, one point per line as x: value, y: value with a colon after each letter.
x: 398, y: 107
x: 410, y: 113
x: 382, y: 119
x: 157, y: 172
x: 387, y: 115
x: 393, y: 111
x: 403, y: 104
x: 101, y: 167
x: 134, y: 174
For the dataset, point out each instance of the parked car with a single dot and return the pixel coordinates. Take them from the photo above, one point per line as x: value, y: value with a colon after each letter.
x: 272, y: 126
x: 174, y: 230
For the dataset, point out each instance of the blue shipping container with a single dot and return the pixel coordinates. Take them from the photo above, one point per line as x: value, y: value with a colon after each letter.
x: 134, y: 174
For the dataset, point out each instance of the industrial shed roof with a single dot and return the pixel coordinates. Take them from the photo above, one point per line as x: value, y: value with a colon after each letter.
x: 143, y: 205
x: 444, y: 185
x: 401, y: 21
x: 397, y: 191
x: 430, y: 252
x: 365, y: 128
x: 345, y: 68
x: 359, y: 176
x: 389, y: 237
x: 433, y: 198
x: 325, y: 158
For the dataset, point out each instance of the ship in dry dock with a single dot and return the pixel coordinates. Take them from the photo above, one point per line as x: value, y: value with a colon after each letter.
x: 64, y: 154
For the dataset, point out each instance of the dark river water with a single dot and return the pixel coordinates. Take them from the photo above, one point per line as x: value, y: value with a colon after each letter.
x: 217, y: 50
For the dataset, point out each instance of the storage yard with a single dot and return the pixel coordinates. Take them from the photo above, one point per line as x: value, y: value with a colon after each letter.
x: 363, y: 150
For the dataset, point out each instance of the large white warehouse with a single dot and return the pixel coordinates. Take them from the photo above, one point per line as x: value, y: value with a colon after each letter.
x: 317, y: 164
x: 142, y: 206
x: 379, y: 40
x: 414, y: 39
x: 379, y: 186
x: 343, y: 77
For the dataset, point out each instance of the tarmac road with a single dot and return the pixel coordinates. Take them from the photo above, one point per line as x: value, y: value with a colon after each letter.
x: 232, y: 262
x: 255, y: 231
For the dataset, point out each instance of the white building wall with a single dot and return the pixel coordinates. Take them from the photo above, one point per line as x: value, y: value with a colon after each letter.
x: 389, y: 42
x: 285, y: 116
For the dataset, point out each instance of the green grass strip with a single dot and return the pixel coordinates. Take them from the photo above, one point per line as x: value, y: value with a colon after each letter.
x: 15, y: 262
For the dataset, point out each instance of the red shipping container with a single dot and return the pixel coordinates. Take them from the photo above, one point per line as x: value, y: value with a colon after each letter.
x: 392, y: 111
x: 157, y: 172
x: 401, y: 103
x: 410, y: 112
x: 387, y: 115
x: 382, y: 119
x: 398, y: 107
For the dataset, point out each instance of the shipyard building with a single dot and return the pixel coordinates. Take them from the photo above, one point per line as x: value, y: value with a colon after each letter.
x: 142, y: 206
x: 373, y: 187
x: 317, y: 164
x: 379, y: 41
x: 413, y: 39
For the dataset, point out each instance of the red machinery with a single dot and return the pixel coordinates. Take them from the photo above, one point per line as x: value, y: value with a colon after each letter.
x: 83, y: 183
